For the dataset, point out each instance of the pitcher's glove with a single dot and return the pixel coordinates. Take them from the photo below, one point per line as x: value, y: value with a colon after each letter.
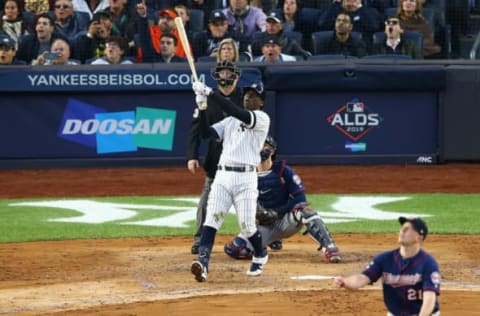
x: 265, y: 217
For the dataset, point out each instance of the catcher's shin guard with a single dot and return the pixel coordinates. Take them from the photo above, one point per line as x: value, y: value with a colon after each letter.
x: 317, y: 229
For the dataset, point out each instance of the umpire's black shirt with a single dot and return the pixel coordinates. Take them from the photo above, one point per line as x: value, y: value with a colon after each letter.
x: 214, y: 115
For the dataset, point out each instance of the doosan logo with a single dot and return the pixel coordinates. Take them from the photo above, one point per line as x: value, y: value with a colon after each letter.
x: 120, y: 127
x: 116, y: 132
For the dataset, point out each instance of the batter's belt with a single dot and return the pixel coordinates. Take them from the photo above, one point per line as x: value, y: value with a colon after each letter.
x: 237, y: 168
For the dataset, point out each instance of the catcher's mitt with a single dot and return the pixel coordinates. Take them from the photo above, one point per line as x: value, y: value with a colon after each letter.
x: 265, y: 216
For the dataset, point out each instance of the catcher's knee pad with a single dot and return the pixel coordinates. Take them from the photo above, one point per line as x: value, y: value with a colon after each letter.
x: 238, y: 249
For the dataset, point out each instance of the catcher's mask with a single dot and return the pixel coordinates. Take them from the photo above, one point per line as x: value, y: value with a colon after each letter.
x: 267, y: 151
x: 220, y: 78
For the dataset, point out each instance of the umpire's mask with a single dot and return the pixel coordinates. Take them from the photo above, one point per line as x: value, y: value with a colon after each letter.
x: 225, y: 73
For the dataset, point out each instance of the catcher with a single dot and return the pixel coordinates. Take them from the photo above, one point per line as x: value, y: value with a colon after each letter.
x: 282, y: 209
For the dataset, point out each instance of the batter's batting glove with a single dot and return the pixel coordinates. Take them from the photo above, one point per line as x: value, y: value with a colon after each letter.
x: 201, y: 101
x: 201, y: 88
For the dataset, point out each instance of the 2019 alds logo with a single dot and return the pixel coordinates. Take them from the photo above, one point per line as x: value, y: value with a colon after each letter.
x: 354, y: 120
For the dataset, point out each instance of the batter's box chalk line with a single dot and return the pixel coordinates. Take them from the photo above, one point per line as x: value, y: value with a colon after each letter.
x: 312, y: 277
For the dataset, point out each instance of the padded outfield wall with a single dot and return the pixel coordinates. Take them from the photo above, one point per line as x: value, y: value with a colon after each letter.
x: 338, y: 112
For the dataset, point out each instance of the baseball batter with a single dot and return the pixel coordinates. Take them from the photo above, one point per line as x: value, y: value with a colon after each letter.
x: 282, y: 193
x: 243, y: 135
x: 411, y: 278
x: 228, y: 88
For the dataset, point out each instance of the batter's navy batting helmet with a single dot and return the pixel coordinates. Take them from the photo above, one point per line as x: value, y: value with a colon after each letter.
x: 258, y: 88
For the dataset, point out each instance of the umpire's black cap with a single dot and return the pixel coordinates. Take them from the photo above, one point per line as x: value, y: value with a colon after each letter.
x: 417, y: 223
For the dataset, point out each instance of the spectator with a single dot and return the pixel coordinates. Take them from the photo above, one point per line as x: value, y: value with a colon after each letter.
x: 275, y: 27
x: 184, y: 13
x: 151, y: 37
x: 411, y: 18
x: 395, y: 43
x: 364, y: 19
x: 67, y: 22
x: 294, y: 21
x: 7, y: 51
x: 13, y: 24
x: 35, y: 44
x: 37, y: 7
x: 290, y: 12
x: 115, y: 48
x: 342, y: 42
x: 206, y: 43
x: 123, y: 23
x: 245, y: 19
x: 59, y: 54
x: 272, y: 52
x: 168, y: 48
x: 92, y: 44
x: 90, y: 6
x: 228, y: 50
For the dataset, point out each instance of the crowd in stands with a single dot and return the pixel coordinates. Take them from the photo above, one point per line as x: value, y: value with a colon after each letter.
x: 72, y: 32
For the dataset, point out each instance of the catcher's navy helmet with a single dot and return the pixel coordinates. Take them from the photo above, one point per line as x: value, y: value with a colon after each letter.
x: 271, y: 142
x: 266, y: 152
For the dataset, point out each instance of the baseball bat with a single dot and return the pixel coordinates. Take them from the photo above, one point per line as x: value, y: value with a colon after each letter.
x: 186, y: 46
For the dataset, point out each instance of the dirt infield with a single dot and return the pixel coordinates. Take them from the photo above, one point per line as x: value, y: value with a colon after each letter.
x: 151, y: 276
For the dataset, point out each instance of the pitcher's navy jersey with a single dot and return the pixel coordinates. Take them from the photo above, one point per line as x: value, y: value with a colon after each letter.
x: 405, y: 280
x: 280, y: 188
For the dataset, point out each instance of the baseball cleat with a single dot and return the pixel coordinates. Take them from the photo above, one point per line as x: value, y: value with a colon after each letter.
x: 332, y: 254
x: 257, y: 266
x: 199, y: 271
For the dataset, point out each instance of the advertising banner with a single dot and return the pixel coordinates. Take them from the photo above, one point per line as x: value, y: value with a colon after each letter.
x: 360, y: 124
x: 90, y: 125
x: 151, y: 77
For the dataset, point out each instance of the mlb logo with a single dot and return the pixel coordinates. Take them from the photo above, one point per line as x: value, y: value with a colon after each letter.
x: 355, y: 107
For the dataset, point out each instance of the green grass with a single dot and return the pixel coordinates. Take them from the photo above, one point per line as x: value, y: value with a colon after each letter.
x: 449, y: 214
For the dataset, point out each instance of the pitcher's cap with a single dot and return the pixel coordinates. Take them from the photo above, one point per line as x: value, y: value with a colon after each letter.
x: 417, y: 223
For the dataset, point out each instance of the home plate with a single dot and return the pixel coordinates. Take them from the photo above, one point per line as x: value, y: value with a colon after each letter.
x: 312, y: 277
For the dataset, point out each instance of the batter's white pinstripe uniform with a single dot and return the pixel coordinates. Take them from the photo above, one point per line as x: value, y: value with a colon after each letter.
x: 236, y: 179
